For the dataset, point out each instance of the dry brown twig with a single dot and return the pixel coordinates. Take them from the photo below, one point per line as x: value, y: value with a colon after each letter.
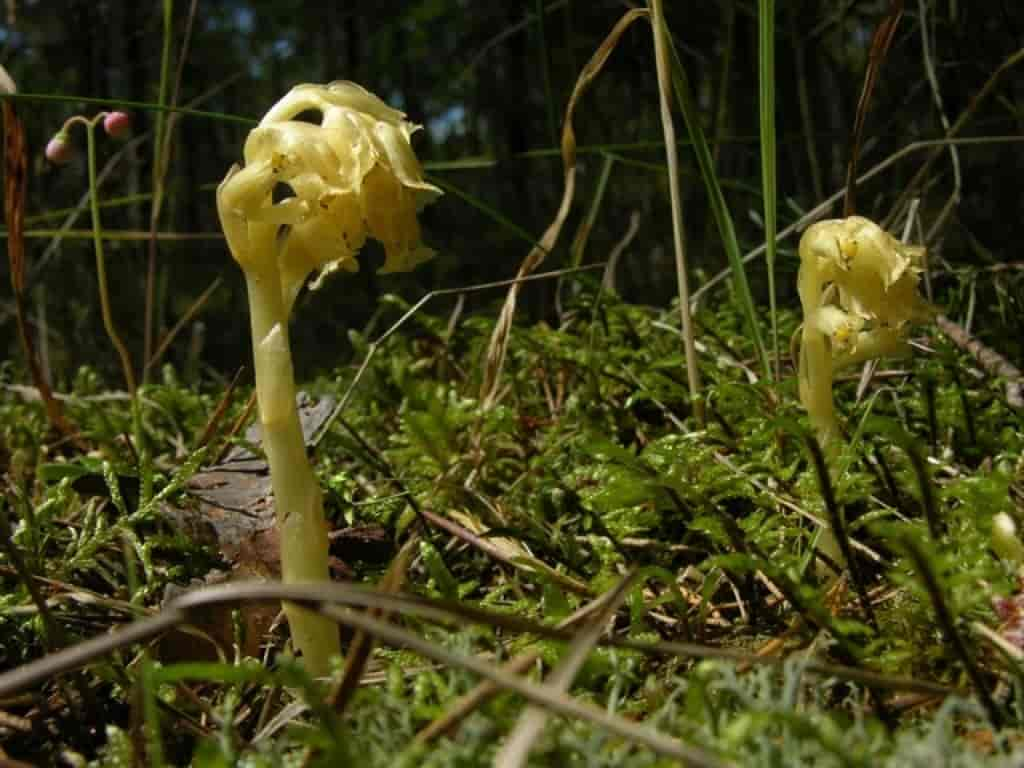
x: 518, y: 559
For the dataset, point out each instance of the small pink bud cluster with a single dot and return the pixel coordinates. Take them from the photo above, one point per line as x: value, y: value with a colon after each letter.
x: 117, y: 125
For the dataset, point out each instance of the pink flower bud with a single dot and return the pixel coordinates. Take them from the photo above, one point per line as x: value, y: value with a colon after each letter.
x: 58, y: 150
x: 117, y: 124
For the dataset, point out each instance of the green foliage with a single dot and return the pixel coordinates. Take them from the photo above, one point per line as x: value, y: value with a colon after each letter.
x: 591, y: 464
x: 588, y: 465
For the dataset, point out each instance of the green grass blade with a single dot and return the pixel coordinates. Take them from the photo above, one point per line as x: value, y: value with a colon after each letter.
x: 165, y: 74
x: 62, y: 213
x: 723, y: 219
x: 766, y: 101
x: 489, y: 211
x: 147, y: 106
x: 478, y: 162
x: 580, y: 243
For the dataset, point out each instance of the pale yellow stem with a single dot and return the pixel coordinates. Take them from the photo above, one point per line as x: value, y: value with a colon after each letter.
x: 297, y: 497
x: 815, y: 374
x: 815, y: 380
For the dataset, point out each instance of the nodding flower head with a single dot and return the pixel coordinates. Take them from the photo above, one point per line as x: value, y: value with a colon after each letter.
x: 876, y: 275
x: 58, y: 149
x: 858, y: 287
x: 352, y: 176
x: 117, y: 125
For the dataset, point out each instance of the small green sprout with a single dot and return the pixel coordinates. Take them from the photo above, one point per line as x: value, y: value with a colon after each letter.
x: 351, y: 177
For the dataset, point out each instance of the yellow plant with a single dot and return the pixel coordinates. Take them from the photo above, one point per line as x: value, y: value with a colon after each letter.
x: 858, y: 289
x: 351, y: 177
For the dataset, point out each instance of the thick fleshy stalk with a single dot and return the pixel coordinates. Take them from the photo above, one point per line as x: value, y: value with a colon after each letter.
x: 815, y: 371
x: 297, y: 497
x: 815, y: 380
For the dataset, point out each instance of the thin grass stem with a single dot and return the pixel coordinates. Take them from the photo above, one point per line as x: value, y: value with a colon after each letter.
x: 661, y: 56
x: 101, y: 264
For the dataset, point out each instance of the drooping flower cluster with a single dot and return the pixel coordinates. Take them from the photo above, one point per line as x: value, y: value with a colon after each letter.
x: 117, y: 125
x: 307, y: 199
x: 352, y: 176
x: 858, y: 287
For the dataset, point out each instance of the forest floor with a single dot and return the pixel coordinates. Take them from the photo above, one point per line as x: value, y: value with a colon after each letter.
x: 676, y: 560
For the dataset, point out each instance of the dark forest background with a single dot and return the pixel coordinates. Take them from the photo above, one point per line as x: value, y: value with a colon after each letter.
x: 490, y: 81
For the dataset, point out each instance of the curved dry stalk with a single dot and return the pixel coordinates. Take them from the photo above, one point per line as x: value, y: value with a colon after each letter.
x: 516, y: 749
x: 314, y: 596
x: 884, y: 33
x: 495, y: 358
x: 608, y: 279
x: 15, y: 184
x: 556, y: 702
